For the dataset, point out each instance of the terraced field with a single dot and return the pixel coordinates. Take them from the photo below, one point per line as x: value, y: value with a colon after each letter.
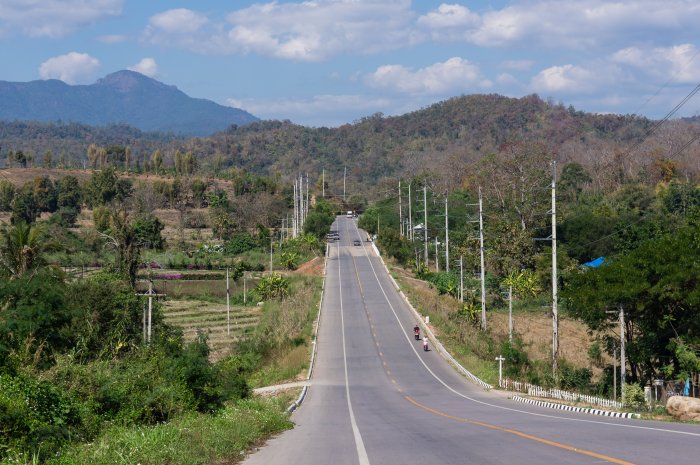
x: 210, y: 317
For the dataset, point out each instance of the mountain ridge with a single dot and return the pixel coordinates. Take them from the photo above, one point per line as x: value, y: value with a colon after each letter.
x: 123, y: 97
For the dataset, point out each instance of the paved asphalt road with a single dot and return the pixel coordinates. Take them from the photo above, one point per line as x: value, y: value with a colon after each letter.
x: 377, y: 398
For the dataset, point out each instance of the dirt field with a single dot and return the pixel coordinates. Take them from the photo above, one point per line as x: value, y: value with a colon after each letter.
x: 313, y: 267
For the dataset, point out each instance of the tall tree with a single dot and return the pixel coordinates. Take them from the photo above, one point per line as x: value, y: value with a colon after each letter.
x: 124, y: 238
x: 20, y: 250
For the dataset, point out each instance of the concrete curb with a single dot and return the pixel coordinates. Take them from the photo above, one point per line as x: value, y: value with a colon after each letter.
x: 436, y: 342
x: 571, y: 408
x: 297, y: 403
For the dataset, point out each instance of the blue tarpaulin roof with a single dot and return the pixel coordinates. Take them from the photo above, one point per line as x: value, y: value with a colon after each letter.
x: 595, y: 263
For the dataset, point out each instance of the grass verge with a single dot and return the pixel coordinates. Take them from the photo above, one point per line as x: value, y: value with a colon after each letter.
x: 194, y: 439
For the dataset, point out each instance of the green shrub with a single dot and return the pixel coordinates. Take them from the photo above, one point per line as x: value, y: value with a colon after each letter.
x: 37, y: 417
x: 445, y: 283
x: 516, y: 360
x: 192, y: 439
x: 273, y: 287
x: 574, y: 379
x: 240, y: 243
x: 633, y: 396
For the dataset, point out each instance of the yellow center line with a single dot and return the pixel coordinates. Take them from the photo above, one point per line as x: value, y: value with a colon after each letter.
x: 520, y: 434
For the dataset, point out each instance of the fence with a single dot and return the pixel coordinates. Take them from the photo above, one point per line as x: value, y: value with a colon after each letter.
x: 559, y: 394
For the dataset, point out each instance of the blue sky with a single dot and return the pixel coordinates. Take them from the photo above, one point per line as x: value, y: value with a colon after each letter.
x: 330, y: 62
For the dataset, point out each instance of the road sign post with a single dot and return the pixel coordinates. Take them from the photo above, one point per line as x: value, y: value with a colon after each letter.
x: 500, y: 361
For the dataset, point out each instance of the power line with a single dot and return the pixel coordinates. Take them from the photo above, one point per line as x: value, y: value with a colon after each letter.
x: 656, y: 126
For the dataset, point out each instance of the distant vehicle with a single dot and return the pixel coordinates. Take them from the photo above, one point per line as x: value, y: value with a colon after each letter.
x: 349, y: 215
x: 356, y: 242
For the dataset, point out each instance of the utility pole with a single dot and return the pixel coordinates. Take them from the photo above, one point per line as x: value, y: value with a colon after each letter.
x: 614, y: 374
x: 294, y: 214
x: 461, y: 279
x: 447, y: 239
x: 510, y: 314
x: 437, y: 256
x: 410, y: 217
x: 301, y: 203
x: 481, y: 253
x: 148, y: 318
x: 345, y: 173
x: 400, y: 213
x: 323, y: 183
x: 306, y: 204
x: 270, y: 253
x: 425, y: 225
x: 622, y: 351
x: 555, y: 310
x: 228, y: 306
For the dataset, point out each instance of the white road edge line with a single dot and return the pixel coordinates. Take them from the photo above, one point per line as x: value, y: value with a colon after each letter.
x: 359, y: 444
x: 398, y: 321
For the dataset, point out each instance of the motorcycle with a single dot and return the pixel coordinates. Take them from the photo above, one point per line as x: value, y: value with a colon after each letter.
x: 425, y: 344
x: 416, y: 333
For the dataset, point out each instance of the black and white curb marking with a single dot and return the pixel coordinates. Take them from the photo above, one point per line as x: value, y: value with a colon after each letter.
x: 571, y: 408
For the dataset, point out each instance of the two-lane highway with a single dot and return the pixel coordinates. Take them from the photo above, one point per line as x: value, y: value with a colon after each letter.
x: 377, y: 398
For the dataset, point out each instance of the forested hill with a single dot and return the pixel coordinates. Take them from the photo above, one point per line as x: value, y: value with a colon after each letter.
x: 446, y: 139
x: 124, y: 97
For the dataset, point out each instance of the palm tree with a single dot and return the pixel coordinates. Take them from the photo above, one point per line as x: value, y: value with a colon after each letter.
x: 20, y: 250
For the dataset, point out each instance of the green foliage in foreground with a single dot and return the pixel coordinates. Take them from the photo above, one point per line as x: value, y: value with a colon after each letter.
x: 193, y: 439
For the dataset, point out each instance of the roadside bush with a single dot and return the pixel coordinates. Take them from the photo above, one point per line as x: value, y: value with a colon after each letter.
x: 289, y: 260
x: 397, y: 247
x: 633, y: 396
x: 445, y: 283
x: 136, y: 389
x: 273, y: 287
x: 574, y: 379
x: 517, y: 362
x: 37, y: 417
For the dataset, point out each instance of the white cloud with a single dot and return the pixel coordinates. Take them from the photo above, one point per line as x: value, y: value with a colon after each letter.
x: 147, y: 66
x: 556, y: 24
x: 566, y: 78
x: 302, y: 31
x: 517, y: 65
x: 178, y: 21
x: 112, y: 39
x: 506, y: 79
x: 681, y: 62
x: 319, y: 110
x: 53, y: 18
x: 71, y: 68
x: 450, y: 22
x: 452, y: 76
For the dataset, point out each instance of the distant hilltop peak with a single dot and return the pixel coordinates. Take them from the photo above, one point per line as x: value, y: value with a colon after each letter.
x: 124, y: 97
x: 126, y: 80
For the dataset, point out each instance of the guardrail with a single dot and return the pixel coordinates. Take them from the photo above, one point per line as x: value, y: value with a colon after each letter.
x: 538, y: 391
